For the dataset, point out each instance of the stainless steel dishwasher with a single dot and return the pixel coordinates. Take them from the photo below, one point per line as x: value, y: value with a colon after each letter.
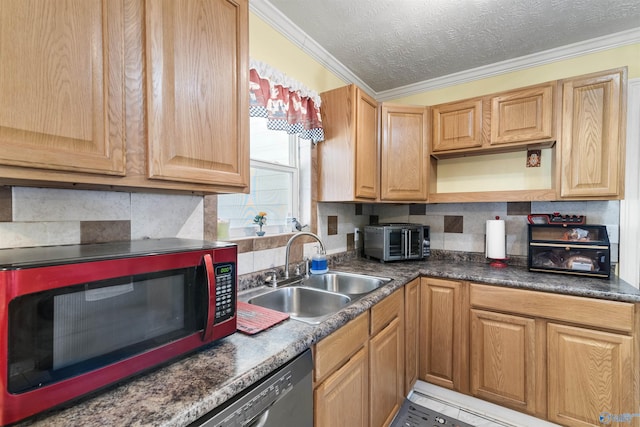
x: 282, y: 399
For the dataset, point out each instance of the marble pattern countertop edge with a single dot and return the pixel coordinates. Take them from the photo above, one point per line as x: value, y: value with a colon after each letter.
x: 184, y: 390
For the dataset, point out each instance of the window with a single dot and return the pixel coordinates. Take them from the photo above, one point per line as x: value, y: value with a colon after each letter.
x: 275, y: 183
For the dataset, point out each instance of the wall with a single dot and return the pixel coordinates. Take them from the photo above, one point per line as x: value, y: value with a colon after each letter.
x: 45, y: 216
x: 34, y: 216
x: 336, y: 225
x: 268, y: 45
x: 461, y: 226
x: 613, y: 58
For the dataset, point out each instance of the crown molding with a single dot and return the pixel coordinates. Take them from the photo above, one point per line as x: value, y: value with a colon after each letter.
x: 611, y: 41
x: 272, y: 16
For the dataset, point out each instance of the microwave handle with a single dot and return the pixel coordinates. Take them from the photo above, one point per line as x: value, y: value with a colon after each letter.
x: 211, y: 297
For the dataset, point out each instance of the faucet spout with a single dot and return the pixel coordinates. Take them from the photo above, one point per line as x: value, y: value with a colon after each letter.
x: 288, y: 248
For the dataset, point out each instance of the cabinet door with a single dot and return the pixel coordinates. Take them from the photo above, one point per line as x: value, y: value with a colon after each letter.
x: 367, y: 152
x: 590, y: 375
x: 404, y: 155
x: 503, y: 359
x: 593, y: 135
x: 411, y: 334
x: 523, y: 115
x: 62, y: 85
x: 349, y: 157
x: 443, y: 348
x: 457, y: 125
x: 343, y: 398
x: 197, y: 82
x: 386, y: 373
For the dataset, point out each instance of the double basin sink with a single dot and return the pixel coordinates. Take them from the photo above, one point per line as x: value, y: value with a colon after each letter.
x: 317, y: 297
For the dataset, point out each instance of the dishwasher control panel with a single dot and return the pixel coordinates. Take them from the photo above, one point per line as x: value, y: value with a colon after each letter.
x: 285, y: 395
x: 257, y: 405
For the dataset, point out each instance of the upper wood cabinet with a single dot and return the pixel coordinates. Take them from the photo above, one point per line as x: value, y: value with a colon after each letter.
x: 523, y: 115
x: 404, y: 167
x: 62, y: 86
x: 498, y: 122
x: 593, y: 135
x: 128, y: 94
x: 197, y: 85
x: 348, y: 158
x: 457, y: 125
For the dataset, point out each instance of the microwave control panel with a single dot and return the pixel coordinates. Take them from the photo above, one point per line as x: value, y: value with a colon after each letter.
x: 225, y: 292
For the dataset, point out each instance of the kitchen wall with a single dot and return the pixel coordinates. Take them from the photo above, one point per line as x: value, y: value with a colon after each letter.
x: 461, y: 226
x: 46, y: 216
x: 36, y: 216
x: 628, y: 55
x: 40, y: 216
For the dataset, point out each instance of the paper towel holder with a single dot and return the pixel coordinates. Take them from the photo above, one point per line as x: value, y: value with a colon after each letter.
x: 498, y: 262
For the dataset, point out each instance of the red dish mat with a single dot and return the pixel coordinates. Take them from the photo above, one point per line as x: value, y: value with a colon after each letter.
x: 253, y: 318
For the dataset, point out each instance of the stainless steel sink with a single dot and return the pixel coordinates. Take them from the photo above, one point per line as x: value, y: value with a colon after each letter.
x: 306, y: 304
x: 317, y: 297
x: 345, y: 283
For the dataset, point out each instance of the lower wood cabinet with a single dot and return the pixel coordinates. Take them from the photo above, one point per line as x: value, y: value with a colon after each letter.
x: 342, y: 399
x: 568, y: 359
x: 411, y: 334
x: 386, y: 359
x: 590, y: 374
x: 359, y: 369
x: 504, y: 360
x: 444, y: 331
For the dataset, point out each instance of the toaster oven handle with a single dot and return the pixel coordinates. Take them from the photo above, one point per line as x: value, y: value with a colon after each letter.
x: 407, y: 242
x: 211, y: 297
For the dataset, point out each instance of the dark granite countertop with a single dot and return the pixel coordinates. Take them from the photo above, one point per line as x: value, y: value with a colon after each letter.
x: 185, y: 390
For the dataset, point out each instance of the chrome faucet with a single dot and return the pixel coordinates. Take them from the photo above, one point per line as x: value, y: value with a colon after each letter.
x: 295, y: 236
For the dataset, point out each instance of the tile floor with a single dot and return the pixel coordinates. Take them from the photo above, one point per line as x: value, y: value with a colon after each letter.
x: 469, y: 409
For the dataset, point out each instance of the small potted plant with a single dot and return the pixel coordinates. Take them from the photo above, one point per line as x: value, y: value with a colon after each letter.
x: 260, y: 219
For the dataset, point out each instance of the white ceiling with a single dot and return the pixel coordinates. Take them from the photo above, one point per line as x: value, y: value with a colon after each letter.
x: 390, y: 44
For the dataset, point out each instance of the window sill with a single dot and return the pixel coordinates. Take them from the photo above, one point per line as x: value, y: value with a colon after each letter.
x: 257, y: 243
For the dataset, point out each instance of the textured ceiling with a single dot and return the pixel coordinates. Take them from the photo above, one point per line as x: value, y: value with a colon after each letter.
x: 393, y: 43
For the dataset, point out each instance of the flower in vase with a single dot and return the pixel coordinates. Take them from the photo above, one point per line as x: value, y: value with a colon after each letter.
x: 260, y: 219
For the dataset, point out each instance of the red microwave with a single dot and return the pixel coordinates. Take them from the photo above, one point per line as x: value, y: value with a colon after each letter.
x: 76, y: 318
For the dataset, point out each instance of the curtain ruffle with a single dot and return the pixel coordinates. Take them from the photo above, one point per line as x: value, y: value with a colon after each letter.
x: 286, y: 104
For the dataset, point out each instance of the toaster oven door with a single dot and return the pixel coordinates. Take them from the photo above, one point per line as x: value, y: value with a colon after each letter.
x: 403, y: 243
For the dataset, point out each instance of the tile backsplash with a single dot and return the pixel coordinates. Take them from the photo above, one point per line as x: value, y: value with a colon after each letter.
x: 461, y: 226
x: 43, y: 216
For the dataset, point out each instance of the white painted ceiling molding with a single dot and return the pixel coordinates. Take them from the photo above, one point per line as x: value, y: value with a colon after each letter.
x: 541, y: 58
x: 272, y: 16
x: 629, y: 267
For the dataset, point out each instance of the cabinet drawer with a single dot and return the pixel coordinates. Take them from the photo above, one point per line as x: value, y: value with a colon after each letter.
x: 384, y: 312
x: 586, y: 311
x: 334, y: 350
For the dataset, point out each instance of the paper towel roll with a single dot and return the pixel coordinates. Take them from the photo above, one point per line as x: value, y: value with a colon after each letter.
x: 496, y: 239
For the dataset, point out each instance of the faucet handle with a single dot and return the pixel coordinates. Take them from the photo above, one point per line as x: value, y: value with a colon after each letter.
x: 298, y: 270
x: 273, y: 280
x: 306, y: 261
